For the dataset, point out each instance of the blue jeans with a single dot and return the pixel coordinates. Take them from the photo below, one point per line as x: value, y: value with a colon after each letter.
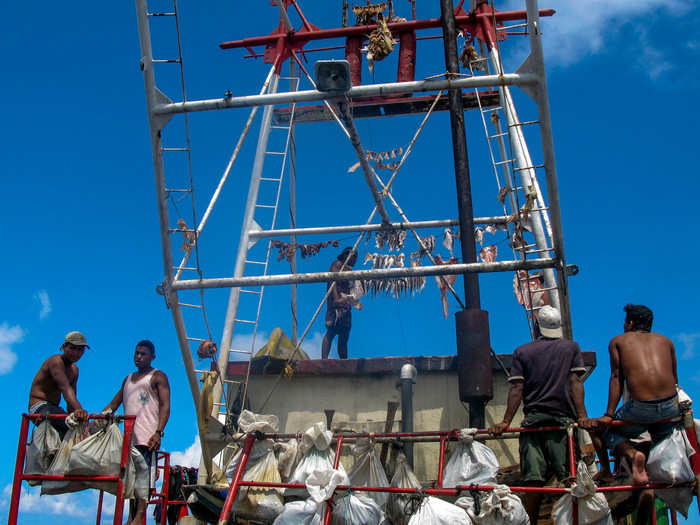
x: 644, y: 415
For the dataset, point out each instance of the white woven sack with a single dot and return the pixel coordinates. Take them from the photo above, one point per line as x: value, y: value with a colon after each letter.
x: 367, y: 471
x: 471, y: 462
x: 434, y: 511
x: 42, y: 448
x: 61, y: 462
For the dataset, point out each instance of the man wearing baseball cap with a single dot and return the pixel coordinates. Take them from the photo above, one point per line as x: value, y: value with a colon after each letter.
x: 58, y: 376
x: 546, y: 376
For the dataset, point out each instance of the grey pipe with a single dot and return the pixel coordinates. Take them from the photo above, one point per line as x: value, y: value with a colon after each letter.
x: 408, y: 376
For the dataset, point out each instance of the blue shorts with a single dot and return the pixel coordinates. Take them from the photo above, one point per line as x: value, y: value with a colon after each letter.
x: 645, y: 416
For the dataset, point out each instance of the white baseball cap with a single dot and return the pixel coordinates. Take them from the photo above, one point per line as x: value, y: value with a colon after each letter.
x: 549, y: 321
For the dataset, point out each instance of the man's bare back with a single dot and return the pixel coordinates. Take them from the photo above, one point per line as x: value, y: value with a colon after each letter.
x: 647, y: 363
x: 44, y: 386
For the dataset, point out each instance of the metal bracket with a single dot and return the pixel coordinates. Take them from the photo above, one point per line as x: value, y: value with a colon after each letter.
x: 161, y: 289
x: 529, y: 66
x: 161, y: 99
x: 254, y: 227
x: 571, y: 269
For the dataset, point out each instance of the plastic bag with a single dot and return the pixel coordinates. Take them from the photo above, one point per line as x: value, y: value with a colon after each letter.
x: 320, y: 485
x: 668, y: 463
x: 434, y: 511
x: 250, y: 422
x: 61, y: 462
x: 404, y: 478
x: 286, y: 456
x: 41, y: 450
x: 592, y: 506
x: 356, y: 510
x: 471, y: 462
x: 498, y: 507
x: 316, y: 457
x: 368, y: 471
x: 100, y: 455
x: 258, y: 502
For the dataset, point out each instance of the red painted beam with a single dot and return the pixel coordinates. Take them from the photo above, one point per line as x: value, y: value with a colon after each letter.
x: 321, y: 34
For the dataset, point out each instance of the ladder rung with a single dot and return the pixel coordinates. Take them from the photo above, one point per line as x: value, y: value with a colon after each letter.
x: 541, y: 250
x: 536, y: 167
x: 496, y: 108
x: 178, y: 230
x: 256, y: 262
x: 177, y: 268
x: 292, y: 78
x: 251, y: 291
x: 246, y: 321
x: 196, y: 339
x: 498, y: 135
x: 265, y: 206
x: 528, y: 123
x: 515, y: 26
x: 201, y: 371
x: 248, y: 352
x: 274, y: 152
x: 232, y: 381
x: 161, y: 14
x: 187, y: 190
x: 270, y: 179
x: 219, y: 404
x: 503, y: 162
x: 190, y: 305
x: 167, y: 61
x: 175, y: 149
x: 279, y: 127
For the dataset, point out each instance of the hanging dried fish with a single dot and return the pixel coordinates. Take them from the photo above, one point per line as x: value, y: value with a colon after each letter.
x: 426, y: 246
x: 517, y: 242
x: 469, y: 56
x: 448, y: 240
x: 501, y: 197
x: 528, y: 289
x: 394, y: 287
x: 381, y: 43
x: 479, y: 235
x: 443, y: 281
x: 187, y: 234
x: 529, y: 203
x: 488, y: 254
x: 287, y: 250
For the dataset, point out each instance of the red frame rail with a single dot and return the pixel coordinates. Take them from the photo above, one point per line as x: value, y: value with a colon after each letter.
x: 22, y: 452
x: 442, y: 437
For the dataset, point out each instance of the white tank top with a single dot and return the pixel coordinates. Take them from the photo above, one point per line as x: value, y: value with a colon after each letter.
x: 140, y: 400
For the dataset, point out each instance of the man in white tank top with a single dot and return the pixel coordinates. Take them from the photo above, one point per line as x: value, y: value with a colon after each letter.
x: 146, y: 395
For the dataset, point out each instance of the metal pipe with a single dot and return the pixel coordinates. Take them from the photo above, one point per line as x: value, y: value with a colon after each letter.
x: 330, y: 230
x: 224, y: 177
x: 373, y: 90
x: 362, y: 156
x: 389, y: 273
x: 248, y: 221
x: 19, y: 466
x: 461, y: 157
x: 123, y: 463
x: 293, y: 201
x: 235, y: 482
x: 98, y: 519
x: 155, y: 124
x: 408, y: 376
x: 550, y: 169
x: 441, y: 461
x: 322, y: 34
x: 336, y: 462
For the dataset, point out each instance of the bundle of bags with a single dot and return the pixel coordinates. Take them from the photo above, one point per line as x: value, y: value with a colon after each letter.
x: 41, y: 450
x: 263, y: 466
x: 592, y: 506
x: 668, y: 463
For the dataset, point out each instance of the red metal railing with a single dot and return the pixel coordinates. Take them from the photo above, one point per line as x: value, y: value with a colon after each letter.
x: 442, y: 437
x: 22, y: 451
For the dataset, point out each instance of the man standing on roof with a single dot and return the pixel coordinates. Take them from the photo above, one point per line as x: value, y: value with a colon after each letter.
x: 546, y: 376
x: 339, y: 306
x: 146, y: 395
x: 644, y: 362
x: 58, y: 376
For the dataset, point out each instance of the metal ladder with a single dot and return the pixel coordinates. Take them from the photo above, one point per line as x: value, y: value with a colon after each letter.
x: 515, y: 171
x: 263, y: 216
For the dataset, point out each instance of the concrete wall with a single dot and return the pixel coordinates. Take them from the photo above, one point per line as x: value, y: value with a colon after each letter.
x: 360, y: 403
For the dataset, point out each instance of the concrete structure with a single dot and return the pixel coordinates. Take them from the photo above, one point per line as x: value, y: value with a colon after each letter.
x: 358, y: 391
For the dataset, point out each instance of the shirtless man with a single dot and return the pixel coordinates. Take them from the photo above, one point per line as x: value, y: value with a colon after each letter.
x: 339, y: 307
x: 146, y: 395
x: 646, y: 363
x: 58, y: 376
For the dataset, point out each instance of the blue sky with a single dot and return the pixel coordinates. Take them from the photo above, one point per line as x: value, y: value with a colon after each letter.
x: 82, y: 248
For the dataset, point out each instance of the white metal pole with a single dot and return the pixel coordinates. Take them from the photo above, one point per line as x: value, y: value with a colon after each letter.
x: 248, y: 220
x: 533, y: 22
x: 156, y: 124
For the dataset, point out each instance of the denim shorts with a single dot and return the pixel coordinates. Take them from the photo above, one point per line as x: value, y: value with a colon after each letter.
x: 645, y: 416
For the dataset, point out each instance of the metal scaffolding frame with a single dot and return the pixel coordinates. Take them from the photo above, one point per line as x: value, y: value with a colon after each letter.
x: 530, y: 77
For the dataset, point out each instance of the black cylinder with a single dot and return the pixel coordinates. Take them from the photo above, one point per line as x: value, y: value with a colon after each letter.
x: 474, y: 356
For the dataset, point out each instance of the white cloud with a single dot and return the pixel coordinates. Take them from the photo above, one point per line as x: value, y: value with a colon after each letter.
x: 43, y: 297
x: 312, y: 345
x: 67, y: 505
x: 9, y: 335
x: 688, y: 342
x: 581, y: 29
x: 188, y: 458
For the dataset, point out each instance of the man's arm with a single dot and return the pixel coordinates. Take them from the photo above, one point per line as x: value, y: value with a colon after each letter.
x: 673, y: 360
x: 577, y: 396
x: 58, y: 374
x: 515, y: 396
x: 616, y: 382
x: 162, y: 388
